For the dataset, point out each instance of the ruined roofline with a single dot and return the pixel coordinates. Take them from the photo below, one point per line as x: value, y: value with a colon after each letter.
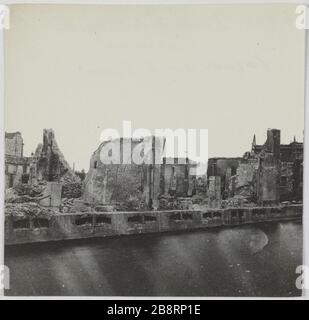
x: 294, y: 142
x: 139, y: 139
x: 10, y: 135
x: 133, y: 139
x: 297, y: 144
x: 176, y: 160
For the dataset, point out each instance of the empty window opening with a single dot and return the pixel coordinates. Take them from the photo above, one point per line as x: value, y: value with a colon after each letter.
x: 84, y: 221
x: 217, y: 215
x: 175, y: 216
x: 136, y: 219
x: 187, y: 216
x: 241, y: 213
x: 234, y: 214
x: 21, y: 224
x: 25, y: 178
x: 103, y: 219
x: 257, y: 212
x: 149, y: 218
x: 207, y: 215
x: 275, y: 210
x: 40, y: 223
x: 284, y: 180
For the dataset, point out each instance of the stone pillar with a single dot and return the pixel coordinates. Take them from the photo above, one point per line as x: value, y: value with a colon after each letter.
x: 52, y: 195
x: 214, y: 192
x: 268, y: 188
x: 228, y: 176
x: 272, y: 144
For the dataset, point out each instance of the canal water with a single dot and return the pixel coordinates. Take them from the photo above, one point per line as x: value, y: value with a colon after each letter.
x: 255, y: 260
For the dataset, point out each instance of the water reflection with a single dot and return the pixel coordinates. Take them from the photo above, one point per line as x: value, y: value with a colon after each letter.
x: 257, y: 260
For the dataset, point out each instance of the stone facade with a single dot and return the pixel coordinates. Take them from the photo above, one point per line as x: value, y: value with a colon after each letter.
x: 139, y: 185
x: 246, y: 180
x: 146, y: 179
x: 122, y: 180
x: 225, y: 168
x: 48, y: 162
x: 14, y: 144
x: 46, y: 168
x: 289, y: 158
x: 176, y: 177
x: 214, y: 192
x: 266, y: 175
x: 16, y: 165
x: 268, y: 184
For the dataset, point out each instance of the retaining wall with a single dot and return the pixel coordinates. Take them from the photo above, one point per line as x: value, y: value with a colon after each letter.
x: 94, y: 224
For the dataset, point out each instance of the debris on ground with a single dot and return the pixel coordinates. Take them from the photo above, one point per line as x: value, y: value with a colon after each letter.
x: 20, y: 211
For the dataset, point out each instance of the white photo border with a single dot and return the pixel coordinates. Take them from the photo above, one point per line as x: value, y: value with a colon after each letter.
x: 157, y: 2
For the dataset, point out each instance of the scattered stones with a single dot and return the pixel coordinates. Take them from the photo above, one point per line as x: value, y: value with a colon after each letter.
x: 11, y: 195
x: 172, y: 203
x: 133, y: 204
x: 31, y: 209
x: 104, y: 208
x: 72, y: 190
x: 49, y: 163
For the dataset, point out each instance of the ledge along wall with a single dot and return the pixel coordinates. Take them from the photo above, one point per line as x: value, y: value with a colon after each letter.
x: 99, y: 224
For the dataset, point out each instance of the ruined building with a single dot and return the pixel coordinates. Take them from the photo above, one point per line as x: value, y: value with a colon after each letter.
x: 269, y: 170
x: 17, y: 167
x: 48, y: 162
x: 142, y: 183
x: 267, y: 174
x: 291, y: 167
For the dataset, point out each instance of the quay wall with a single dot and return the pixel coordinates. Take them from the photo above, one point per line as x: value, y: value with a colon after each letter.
x: 105, y: 224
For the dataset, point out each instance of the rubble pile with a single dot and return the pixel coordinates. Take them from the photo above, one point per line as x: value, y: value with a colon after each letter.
x: 11, y: 195
x: 33, y: 190
x: 24, y: 193
x: 104, y: 208
x: 174, y: 203
x: 22, y: 201
x: 237, y: 202
x: 49, y: 163
x: 72, y: 190
x: 25, y: 210
x: 67, y: 205
x: 71, y: 205
x: 131, y: 205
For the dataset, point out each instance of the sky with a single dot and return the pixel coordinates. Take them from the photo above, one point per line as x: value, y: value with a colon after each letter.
x: 234, y: 70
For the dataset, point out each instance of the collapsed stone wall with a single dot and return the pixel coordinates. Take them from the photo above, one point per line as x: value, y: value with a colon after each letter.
x: 257, y: 180
x: 245, y: 183
x: 127, y: 185
x: 24, y: 201
x: 268, y: 191
x: 135, y: 186
x: 115, y: 183
x: 260, y: 178
x: 16, y: 165
x: 14, y: 144
x: 50, y: 164
x: 47, y: 165
x: 177, y: 178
